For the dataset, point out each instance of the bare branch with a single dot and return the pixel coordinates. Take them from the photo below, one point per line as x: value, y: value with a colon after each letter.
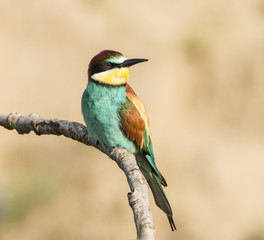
x: 138, y: 197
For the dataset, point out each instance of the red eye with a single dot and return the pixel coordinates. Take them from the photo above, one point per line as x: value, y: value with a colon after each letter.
x: 108, y: 64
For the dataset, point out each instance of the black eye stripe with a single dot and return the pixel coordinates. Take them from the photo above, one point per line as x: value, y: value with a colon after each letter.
x: 103, y: 67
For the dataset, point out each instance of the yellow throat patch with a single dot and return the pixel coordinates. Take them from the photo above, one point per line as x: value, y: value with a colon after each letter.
x: 115, y: 76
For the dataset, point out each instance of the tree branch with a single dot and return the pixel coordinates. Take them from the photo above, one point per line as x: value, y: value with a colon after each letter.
x: 138, y: 197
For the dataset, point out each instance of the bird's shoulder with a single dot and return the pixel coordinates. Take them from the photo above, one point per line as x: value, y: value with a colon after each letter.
x: 134, y: 119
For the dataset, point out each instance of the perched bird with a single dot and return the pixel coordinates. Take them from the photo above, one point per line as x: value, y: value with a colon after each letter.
x: 116, y: 117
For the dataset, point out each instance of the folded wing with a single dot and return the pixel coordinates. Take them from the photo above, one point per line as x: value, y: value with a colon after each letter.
x: 135, y: 123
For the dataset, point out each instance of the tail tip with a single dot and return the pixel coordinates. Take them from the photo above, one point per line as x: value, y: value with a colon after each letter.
x: 172, y: 224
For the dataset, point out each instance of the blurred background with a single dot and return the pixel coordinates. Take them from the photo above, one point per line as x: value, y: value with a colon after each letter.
x: 203, y: 88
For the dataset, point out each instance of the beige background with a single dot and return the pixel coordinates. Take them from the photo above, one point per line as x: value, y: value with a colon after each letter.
x: 203, y: 88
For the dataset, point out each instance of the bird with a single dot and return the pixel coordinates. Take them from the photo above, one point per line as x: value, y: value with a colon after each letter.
x: 116, y: 117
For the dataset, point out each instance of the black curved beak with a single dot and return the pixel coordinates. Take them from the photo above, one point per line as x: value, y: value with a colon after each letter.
x: 132, y: 61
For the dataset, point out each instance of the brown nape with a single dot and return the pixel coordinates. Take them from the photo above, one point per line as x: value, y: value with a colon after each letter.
x: 100, y: 57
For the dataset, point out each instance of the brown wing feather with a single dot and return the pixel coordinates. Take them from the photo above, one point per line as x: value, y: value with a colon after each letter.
x: 134, y: 126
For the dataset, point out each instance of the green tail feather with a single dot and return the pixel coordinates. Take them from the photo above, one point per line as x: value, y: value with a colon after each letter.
x: 152, y: 163
x: 161, y: 199
x: 154, y: 182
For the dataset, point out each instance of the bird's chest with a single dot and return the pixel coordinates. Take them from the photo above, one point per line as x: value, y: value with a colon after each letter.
x: 100, y: 107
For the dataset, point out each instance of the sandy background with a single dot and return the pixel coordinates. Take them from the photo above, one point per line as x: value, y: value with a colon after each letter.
x: 203, y: 88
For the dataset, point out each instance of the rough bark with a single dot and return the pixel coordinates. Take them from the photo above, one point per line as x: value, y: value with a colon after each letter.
x: 138, y: 197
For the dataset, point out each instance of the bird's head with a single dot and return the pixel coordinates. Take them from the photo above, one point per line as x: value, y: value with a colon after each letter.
x: 111, y: 67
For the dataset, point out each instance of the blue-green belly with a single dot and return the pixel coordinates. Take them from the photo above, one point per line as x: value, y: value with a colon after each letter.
x: 100, y: 108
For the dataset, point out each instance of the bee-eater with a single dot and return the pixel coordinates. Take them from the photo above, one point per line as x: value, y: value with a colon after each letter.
x: 116, y: 117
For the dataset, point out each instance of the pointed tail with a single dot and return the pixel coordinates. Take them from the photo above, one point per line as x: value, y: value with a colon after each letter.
x: 158, y: 192
x: 161, y: 199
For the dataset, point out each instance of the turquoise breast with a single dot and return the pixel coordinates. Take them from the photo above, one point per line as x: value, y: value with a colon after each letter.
x: 100, y: 108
